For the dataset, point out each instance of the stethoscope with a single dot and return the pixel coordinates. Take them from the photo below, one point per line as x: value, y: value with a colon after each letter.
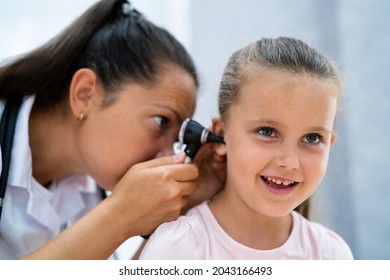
x: 7, y: 131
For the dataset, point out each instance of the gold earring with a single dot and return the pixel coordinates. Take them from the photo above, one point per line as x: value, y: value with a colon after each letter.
x: 81, y: 117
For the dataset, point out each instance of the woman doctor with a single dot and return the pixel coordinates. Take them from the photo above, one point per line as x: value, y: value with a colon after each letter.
x: 103, y: 103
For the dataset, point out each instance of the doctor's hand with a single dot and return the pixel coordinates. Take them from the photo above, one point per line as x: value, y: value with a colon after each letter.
x: 151, y: 193
x: 212, y: 174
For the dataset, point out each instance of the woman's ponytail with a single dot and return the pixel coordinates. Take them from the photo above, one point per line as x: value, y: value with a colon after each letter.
x: 45, y: 72
x: 112, y: 39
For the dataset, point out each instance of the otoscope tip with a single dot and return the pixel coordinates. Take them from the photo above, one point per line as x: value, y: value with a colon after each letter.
x: 212, y: 138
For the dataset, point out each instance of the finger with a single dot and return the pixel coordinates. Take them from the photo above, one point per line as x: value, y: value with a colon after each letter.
x: 187, y: 188
x: 176, y: 191
x: 203, y: 154
x: 178, y: 172
x: 219, y: 159
x: 175, y: 159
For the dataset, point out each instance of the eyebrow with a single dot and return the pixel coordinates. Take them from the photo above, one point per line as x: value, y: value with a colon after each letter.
x: 178, y: 118
x: 264, y: 121
x: 320, y: 129
x: 275, y: 123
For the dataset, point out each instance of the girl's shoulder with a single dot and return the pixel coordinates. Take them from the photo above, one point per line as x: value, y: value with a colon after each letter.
x: 179, y: 239
x: 191, y: 225
x: 325, y: 243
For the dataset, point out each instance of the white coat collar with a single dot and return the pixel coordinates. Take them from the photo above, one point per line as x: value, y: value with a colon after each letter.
x: 50, y: 208
x: 21, y: 160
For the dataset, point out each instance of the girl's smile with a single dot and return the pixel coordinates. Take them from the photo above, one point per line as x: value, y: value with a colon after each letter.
x: 278, y: 185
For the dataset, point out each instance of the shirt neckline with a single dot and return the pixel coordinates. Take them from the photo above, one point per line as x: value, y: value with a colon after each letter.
x: 220, y: 232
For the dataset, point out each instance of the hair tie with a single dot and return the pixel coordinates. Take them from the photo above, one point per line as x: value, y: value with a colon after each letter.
x: 129, y: 10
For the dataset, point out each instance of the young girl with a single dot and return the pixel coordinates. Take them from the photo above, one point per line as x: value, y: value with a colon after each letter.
x: 278, y: 101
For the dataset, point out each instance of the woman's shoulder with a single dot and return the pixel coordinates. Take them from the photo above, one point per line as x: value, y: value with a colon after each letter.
x: 178, y: 239
x: 324, y: 241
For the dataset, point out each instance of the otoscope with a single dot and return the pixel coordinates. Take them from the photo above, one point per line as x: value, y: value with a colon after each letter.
x: 192, y: 136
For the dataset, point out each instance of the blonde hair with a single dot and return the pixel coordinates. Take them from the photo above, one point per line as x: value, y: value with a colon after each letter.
x: 268, y: 54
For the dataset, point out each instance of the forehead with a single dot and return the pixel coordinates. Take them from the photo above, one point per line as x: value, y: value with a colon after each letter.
x: 284, y: 96
x: 174, y: 89
x: 177, y: 86
x: 269, y: 83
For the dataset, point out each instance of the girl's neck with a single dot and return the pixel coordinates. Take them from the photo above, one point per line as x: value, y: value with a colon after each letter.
x: 247, y: 227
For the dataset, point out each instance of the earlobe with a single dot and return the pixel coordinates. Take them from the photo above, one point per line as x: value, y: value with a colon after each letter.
x: 81, y: 91
x: 220, y: 149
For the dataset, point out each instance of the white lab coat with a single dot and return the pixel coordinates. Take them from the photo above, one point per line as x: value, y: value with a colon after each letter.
x: 33, y: 214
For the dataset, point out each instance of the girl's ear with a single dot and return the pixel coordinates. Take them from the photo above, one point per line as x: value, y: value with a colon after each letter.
x: 83, y: 88
x: 333, y: 138
x: 218, y: 128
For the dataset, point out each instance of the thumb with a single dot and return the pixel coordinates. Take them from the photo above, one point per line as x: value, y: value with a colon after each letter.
x: 175, y: 159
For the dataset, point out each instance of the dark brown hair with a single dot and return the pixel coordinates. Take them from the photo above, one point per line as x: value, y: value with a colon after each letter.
x: 112, y: 39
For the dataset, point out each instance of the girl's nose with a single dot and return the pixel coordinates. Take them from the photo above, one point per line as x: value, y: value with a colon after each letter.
x: 288, y: 160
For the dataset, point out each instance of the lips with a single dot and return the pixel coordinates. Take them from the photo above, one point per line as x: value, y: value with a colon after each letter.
x: 279, y: 185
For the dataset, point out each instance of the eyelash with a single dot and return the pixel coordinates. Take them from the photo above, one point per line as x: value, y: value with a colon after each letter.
x: 319, y: 139
x: 269, y: 129
x: 270, y: 132
x: 163, y: 121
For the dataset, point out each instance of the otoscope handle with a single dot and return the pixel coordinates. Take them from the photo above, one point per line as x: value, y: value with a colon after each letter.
x: 193, y: 135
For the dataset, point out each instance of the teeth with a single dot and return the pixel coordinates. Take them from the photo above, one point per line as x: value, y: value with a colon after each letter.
x: 279, y: 182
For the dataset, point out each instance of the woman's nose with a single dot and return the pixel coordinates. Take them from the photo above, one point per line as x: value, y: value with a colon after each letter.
x: 166, y: 149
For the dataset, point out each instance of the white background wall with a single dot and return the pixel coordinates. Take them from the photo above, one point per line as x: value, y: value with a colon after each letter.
x: 354, y: 198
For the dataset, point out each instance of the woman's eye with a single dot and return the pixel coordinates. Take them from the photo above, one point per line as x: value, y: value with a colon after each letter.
x: 267, y: 131
x: 313, y: 139
x: 161, y: 121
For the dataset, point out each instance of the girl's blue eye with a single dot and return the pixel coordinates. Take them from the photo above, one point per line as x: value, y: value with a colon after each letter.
x: 267, y: 131
x: 161, y: 121
x: 313, y: 138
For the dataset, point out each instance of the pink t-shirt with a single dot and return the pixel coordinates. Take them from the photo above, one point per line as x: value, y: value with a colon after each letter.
x: 197, y: 235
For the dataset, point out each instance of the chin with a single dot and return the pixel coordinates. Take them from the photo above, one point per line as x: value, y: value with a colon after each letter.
x: 280, y: 214
x: 276, y: 212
